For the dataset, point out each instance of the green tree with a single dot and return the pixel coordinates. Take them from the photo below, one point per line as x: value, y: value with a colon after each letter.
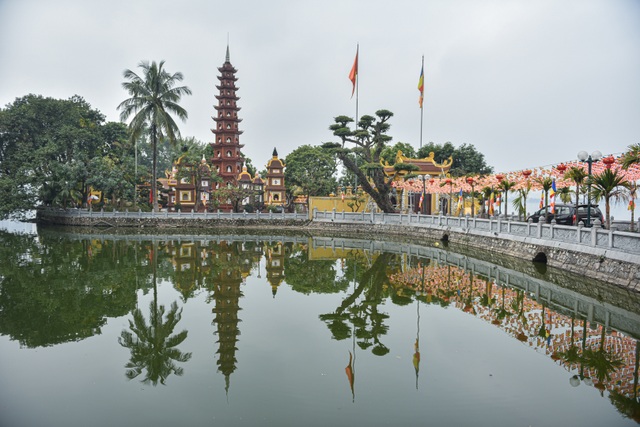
x: 630, y: 158
x: 154, y: 97
x: 546, y: 183
x: 369, y: 139
x: 610, y: 184
x: 389, y: 153
x: 466, y: 159
x: 153, y: 347
x: 506, y: 186
x: 45, y: 147
x: 578, y: 176
x: 312, y: 169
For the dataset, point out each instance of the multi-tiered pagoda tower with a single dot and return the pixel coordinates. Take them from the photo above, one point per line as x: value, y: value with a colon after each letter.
x: 227, y: 160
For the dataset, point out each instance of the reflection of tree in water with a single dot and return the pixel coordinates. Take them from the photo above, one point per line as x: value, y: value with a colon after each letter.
x: 363, y: 313
x: 55, y: 290
x: 313, y: 276
x: 601, y: 360
x: 629, y: 406
x: 153, y: 348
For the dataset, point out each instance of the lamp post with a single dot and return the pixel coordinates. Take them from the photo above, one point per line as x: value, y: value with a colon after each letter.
x: 583, y: 156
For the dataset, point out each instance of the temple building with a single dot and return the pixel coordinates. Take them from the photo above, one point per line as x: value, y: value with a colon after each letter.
x: 427, y: 166
x: 275, y: 194
x: 193, y: 187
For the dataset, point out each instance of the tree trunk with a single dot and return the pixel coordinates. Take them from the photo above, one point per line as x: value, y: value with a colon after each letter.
x: 154, y: 192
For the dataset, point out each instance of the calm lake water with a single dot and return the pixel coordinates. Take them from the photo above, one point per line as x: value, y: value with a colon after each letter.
x: 298, y: 331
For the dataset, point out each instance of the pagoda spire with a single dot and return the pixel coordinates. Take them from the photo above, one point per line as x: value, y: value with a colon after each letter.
x: 227, y: 57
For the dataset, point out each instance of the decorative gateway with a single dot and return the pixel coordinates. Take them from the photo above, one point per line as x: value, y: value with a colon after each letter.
x: 427, y: 169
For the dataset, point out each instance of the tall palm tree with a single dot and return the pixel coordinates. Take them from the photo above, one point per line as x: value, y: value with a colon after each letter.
x: 565, y: 194
x: 578, y: 176
x: 546, y: 183
x: 506, y: 186
x: 154, y: 97
x: 607, y: 185
x: 630, y: 158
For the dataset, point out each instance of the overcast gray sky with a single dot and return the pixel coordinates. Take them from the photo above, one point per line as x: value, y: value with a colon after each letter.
x: 528, y: 83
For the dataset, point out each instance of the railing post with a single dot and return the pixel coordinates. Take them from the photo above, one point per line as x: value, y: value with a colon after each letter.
x: 333, y: 214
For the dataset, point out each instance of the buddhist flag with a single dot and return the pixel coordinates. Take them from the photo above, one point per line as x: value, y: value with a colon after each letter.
x: 632, y: 205
x: 552, y: 196
x: 353, y: 75
x: 541, y: 200
x: 420, y: 203
x: 421, y: 86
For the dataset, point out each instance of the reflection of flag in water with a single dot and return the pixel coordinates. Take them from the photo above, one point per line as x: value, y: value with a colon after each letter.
x: 552, y: 196
x: 416, y: 358
x: 350, y: 374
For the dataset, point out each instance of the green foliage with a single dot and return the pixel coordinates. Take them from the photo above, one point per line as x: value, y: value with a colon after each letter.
x: 610, y: 184
x: 312, y: 169
x: 466, y: 159
x: 154, y: 98
x: 47, y: 147
x: 363, y: 160
x: 389, y: 153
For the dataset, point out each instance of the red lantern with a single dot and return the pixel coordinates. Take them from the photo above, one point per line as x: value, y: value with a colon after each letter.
x: 608, y: 161
x: 526, y: 173
x: 499, y: 177
x: 470, y: 180
x: 561, y: 167
x: 431, y: 181
x: 448, y: 181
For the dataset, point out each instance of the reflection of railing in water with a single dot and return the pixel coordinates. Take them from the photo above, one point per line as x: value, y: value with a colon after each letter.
x: 530, y: 320
x: 563, y: 300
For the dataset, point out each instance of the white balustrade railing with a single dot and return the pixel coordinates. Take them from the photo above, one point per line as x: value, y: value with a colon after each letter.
x: 547, y: 234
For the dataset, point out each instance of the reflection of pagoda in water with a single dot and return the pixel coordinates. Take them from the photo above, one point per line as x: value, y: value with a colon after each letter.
x: 275, y: 265
x: 227, y: 293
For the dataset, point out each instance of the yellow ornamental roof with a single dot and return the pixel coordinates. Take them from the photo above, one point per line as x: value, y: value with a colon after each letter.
x: 426, y: 165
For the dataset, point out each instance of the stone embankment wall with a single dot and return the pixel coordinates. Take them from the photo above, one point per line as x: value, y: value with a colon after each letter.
x: 185, y: 221
x: 583, y: 261
x: 620, y: 272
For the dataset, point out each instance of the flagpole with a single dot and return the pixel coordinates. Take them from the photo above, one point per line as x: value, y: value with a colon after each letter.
x: 421, y: 100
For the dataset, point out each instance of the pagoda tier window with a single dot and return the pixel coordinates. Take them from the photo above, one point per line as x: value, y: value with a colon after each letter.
x: 229, y: 169
x: 228, y: 139
x: 276, y: 197
x: 229, y: 153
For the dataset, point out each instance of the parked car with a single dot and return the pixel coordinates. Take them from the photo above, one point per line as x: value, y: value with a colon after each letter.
x: 567, y: 214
